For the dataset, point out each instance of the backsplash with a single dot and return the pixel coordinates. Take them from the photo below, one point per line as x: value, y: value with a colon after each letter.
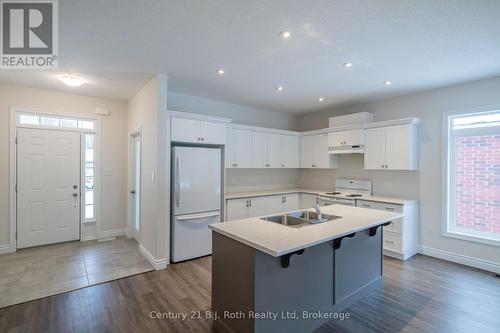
x: 242, y: 180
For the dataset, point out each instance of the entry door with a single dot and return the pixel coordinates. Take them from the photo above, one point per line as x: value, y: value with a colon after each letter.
x: 48, y: 187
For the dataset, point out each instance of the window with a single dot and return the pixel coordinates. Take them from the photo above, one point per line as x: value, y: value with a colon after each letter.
x: 89, y: 190
x: 474, y: 176
x: 54, y: 121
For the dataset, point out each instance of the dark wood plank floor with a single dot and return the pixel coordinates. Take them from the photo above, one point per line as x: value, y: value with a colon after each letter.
x: 419, y: 295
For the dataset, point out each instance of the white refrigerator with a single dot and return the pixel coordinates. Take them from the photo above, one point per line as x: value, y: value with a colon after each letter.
x: 196, y: 200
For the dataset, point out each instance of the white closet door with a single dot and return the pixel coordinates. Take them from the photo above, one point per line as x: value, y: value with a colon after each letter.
x: 48, y: 189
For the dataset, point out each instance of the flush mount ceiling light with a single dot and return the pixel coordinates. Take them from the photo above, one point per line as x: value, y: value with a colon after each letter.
x: 285, y: 34
x: 220, y: 71
x: 347, y: 64
x: 72, y: 80
x: 321, y: 99
x: 387, y: 83
x: 279, y: 88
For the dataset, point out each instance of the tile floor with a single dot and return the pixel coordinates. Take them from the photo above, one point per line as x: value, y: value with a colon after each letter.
x: 32, y: 273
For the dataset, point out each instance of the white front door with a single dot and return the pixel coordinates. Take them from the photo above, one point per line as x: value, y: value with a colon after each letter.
x: 48, y: 187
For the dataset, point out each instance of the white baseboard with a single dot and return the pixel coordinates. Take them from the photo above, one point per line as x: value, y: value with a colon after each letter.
x: 157, y: 263
x: 460, y: 259
x: 88, y: 238
x: 5, y: 249
x: 113, y: 233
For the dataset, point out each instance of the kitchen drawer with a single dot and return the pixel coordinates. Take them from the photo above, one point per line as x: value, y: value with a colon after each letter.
x: 392, y: 241
x: 380, y: 206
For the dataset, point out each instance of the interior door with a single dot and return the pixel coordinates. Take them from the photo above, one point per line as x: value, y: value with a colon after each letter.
x: 375, y: 148
x: 48, y: 187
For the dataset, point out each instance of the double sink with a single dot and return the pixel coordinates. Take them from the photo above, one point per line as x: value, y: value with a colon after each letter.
x: 300, y: 218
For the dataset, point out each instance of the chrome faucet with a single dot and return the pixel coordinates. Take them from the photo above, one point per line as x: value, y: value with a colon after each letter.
x: 318, y: 211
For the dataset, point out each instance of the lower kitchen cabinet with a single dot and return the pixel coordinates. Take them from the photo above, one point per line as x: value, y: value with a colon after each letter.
x: 259, y: 206
x: 400, y: 237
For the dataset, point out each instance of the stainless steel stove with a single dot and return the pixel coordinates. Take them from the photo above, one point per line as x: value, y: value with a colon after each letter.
x: 346, y: 192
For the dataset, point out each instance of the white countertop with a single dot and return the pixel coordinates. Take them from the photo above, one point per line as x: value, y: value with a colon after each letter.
x: 249, y: 194
x: 396, y: 201
x: 277, y: 240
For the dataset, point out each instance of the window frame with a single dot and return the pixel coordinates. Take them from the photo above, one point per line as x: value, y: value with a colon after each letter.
x: 448, y: 180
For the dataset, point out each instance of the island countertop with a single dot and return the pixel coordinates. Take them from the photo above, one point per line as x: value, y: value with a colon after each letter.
x: 277, y: 240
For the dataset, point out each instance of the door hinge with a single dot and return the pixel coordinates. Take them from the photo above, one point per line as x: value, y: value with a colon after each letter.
x: 15, y: 188
x: 15, y: 140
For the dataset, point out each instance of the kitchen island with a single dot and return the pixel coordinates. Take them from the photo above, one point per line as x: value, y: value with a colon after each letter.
x: 270, y: 277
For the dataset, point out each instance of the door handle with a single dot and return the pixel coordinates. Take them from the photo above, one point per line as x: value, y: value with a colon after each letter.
x: 75, y: 195
x: 177, y: 183
x: 132, y: 192
x: 200, y: 216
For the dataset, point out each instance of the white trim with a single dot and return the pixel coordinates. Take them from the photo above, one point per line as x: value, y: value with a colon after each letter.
x: 394, y: 122
x: 13, y: 181
x: 5, y: 249
x: 460, y: 259
x: 156, y: 263
x: 262, y: 129
x: 197, y: 116
x: 112, y: 233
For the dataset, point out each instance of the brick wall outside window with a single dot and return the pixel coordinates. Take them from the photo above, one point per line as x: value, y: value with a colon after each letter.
x: 478, y: 183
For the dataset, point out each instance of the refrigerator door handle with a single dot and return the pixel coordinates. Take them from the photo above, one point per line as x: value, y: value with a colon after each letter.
x: 194, y: 217
x: 177, y: 183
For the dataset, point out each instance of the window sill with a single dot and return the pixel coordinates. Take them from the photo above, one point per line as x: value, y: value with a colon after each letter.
x: 467, y: 236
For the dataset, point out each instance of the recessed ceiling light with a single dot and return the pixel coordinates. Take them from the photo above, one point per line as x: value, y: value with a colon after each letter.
x: 279, y: 88
x: 72, y: 80
x: 347, y: 64
x: 321, y: 99
x: 285, y: 34
x: 220, y: 71
x: 388, y: 83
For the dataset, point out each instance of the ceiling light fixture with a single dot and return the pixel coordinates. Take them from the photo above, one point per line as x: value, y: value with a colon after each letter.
x: 321, y: 99
x: 285, y: 34
x: 388, y: 83
x: 347, y: 64
x: 279, y: 88
x: 220, y: 71
x: 71, y: 80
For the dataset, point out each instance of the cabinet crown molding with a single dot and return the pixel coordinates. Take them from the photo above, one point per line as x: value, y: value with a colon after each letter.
x: 263, y: 129
x: 197, y: 116
x: 394, y: 122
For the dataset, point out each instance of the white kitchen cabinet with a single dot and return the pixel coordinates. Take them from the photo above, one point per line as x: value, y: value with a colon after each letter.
x: 196, y: 131
x: 274, y: 150
x: 307, y: 200
x: 237, y: 209
x: 290, y: 151
x: 314, y: 152
x: 259, y: 150
x: 282, y: 203
x: 238, y: 148
x: 392, y: 148
x: 346, y: 138
x: 400, y: 237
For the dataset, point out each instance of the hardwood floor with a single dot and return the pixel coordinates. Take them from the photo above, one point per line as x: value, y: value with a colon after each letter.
x: 419, y: 295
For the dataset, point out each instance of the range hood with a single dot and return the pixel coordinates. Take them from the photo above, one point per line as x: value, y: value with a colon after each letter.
x: 346, y: 150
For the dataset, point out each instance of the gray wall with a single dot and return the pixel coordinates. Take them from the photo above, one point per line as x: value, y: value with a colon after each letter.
x: 424, y: 184
x: 239, y: 113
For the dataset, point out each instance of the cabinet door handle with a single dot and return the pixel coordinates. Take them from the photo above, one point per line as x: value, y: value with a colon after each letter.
x: 389, y: 208
x: 250, y: 203
x: 389, y: 242
x: 282, y: 165
x: 365, y: 205
x: 386, y: 166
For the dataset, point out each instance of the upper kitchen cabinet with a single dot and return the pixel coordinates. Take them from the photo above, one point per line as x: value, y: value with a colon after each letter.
x: 256, y: 147
x: 347, y: 138
x: 392, y: 145
x: 314, y: 152
x: 238, y: 148
x: 195, y: 128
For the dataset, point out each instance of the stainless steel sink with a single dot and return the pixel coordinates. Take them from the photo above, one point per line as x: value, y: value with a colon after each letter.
x: 300, y: 218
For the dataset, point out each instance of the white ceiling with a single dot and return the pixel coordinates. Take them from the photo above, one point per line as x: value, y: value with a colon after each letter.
x: 418, y: 44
